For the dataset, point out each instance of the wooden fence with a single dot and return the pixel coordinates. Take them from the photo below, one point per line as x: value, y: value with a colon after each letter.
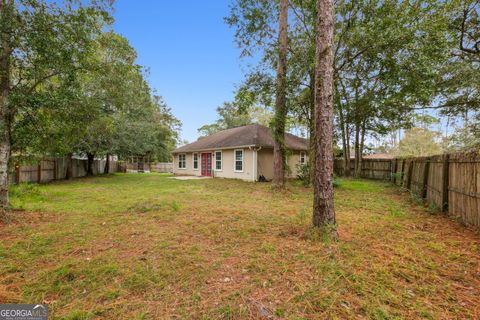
x: 56, y: 169
x: 450, y: 182
x: 162, y: 167
x: 379, y: 169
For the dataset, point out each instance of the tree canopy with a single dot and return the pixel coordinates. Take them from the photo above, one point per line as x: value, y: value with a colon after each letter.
x: 231, y: 115
x: 106, y: 107
x: 419, y: 142
x: 70, y: 85
x: 392, y: 60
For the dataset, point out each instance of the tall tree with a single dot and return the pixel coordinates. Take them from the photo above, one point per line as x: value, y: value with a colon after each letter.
x: 460, y: 94
x: 7, y: 19
x: 389, y: 56
x: 256, y: 24
x: 41, y: 41
x: 105, y: 109
x: 387, y: 53
x: 280, y: 100
x: 323, y: 207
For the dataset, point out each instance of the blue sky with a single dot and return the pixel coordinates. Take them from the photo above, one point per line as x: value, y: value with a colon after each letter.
x: 194, y: 63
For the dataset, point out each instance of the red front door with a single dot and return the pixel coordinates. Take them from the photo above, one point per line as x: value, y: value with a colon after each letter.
x: 207, y: 164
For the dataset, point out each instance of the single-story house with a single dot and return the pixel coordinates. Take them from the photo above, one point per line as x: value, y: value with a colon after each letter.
x: 241, y: 153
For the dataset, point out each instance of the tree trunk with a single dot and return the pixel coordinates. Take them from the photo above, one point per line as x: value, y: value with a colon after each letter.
x: 357, y: 149
x: 4, y: 150
x: 69, y: 169
x: 311, y: 127
x: 141, y: 164
x: 280, y: 101
x: 323, y: 206
x: 106, y: 170
x: 5, y: 110
x: 360, y: 151
x: 90, y: 159
x: 347, y: 153
x: 346, y: 147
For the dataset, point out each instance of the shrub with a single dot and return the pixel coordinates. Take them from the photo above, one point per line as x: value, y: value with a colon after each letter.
x: 337, y: 182
x: 303, y: 173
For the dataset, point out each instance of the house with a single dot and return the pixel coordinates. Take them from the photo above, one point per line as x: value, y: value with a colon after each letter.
x: 241, y: 153
x: 381, y: 156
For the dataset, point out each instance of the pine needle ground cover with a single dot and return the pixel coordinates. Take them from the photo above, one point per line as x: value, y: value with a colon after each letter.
x: 145, y: 246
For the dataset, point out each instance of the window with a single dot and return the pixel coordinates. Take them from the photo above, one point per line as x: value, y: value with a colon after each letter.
x: 218, y: 160
x: 182, y: 161
x: 303, y: 157
x: 195, y: 161
x: 238, y: 160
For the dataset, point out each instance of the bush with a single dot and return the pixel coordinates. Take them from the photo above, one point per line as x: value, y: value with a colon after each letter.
x: 303, y: 173
x: 337, y: 182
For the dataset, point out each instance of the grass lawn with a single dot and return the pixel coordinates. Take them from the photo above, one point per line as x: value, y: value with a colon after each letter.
x: 144, y: 246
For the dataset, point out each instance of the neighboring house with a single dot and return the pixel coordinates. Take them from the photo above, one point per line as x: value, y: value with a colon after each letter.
x: 383, y: 156
x: 240, y: 153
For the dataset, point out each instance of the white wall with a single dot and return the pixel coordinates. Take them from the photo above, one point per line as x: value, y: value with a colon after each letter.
x: 228, y: 163
x: 189, y: 169
x: 264, y: 164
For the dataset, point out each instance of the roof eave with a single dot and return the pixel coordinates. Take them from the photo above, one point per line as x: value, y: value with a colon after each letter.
x: 213, y: 149
x: 235, y: 147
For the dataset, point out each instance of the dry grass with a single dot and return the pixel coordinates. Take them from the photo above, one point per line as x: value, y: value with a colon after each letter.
x: 150, y: 247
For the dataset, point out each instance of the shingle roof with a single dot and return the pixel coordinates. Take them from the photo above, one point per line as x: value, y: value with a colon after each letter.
x: 250, y: 135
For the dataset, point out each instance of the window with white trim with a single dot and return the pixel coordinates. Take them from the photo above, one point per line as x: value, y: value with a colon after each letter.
x: 303, y: 157
x: 182, y: 161
x: 239, y: 160
x: 218, y: 160
x: 195, y: 161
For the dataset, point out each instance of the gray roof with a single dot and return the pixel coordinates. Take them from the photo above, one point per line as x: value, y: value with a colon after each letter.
x: 250, y: 135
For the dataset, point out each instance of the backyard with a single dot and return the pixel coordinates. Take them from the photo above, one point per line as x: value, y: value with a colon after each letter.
x: 146, y: 246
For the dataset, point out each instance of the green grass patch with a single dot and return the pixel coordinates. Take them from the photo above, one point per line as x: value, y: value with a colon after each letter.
x: 145, y: 246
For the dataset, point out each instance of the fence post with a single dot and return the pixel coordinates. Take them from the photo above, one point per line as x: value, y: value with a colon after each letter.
x: 54, y: 169
x: 402, y: 172
x: 39, y: 170
x: 410, y: 173
x: 17, y: 173
x: 426, y: 169
x: 446, y: 170
x: 394, y: 171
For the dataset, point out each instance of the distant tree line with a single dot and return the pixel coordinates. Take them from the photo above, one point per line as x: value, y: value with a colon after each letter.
x: 69, y: 85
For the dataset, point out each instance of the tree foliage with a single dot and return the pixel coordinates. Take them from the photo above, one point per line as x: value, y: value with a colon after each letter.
x: 232, y: 114
x: 68, y: 85
x: 391, y: 60
x: 419, y: 142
